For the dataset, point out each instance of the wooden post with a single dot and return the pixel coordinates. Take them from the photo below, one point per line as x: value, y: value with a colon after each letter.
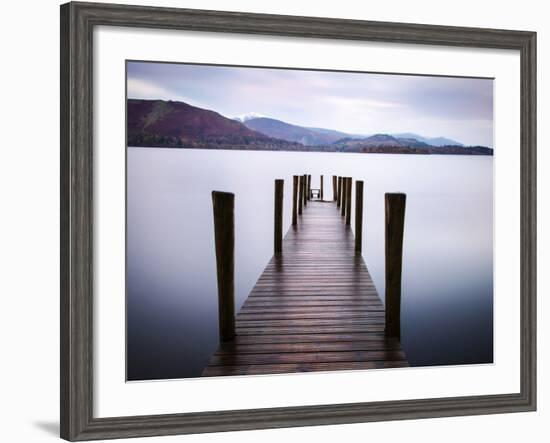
x: 348, y: 200
x: 300, y: 195
x: 224, y: 236
x: 395, y: 221
x: 309, y: 187
x: 344, y: 195
x: 358, y: 216
x: 278, y: 222
x: 294, y: 200
x: 339, y: 200
x: 334, y: 188
x: 321, y: 194
x: 305, y: 190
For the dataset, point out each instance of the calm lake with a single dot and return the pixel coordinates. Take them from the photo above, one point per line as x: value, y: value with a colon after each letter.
x: 172, y: 318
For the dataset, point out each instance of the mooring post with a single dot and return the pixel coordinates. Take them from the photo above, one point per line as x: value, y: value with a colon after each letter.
x: 305, y: 190
x: 278, y: 222
x: 300, y: 195
x: 334, y: 188
x: 224, y: 237
x: 344, y: 195
x: 321, y: 192
x: 294, y: 200
x: 339, y: 197
x: 358, y: 216
x: 309, y: 187
x: 395, y: 221
x: 348, y: 200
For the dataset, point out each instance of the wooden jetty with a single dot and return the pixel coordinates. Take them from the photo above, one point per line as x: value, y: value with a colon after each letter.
x: 315, y: 306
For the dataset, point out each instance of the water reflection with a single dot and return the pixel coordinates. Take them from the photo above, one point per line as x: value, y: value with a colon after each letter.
x: 171, y: 289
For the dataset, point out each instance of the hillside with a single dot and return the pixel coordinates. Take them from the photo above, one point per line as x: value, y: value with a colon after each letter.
x: 177, y: 124
x: 432, y: 141
x: 380, y: 141
x: 293, y: 133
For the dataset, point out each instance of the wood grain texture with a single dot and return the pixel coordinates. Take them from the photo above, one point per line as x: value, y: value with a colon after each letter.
x: 319, y: 263
x: 394, y: 230
x: 343, y: 204
x: 224, y: 237
x: 301, y: 187
x: 305, y: 190
x: 278, y: 216
x: 76, y: 206
x: 349, y: 188
x: 358, y: 216
x: 295, y: 184
x: 339, y: 195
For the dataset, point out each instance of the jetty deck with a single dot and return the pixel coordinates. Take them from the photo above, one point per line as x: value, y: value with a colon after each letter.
x: 314, y: 308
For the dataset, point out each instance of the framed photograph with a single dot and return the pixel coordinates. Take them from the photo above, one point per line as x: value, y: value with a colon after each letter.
x: 273, y: 221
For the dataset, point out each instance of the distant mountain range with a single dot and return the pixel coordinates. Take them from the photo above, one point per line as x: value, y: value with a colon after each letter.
x: 171, y: 124
x: 432, y: 141
x: 292, y: 133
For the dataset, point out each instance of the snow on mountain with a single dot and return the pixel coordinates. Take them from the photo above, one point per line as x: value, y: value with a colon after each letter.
x: 248, y: 116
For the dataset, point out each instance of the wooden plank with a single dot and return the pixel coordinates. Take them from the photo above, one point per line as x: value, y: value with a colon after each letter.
x: 243, y: 323
x: 324, y: 329
x: 213, y: 371
x: 272, y: 348
x: 311, y: 338
x: 304, y: 357
x: 319, y: 315
x: 309, y: 310
x: 312, y: 299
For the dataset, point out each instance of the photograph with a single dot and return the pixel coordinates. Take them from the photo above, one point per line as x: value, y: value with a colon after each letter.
x: 285, y: 220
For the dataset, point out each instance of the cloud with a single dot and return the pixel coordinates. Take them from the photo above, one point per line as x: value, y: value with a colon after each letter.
x: 359, y: 102
x: 144, y: 89
x: 459, y: 108
x: 148, y: 90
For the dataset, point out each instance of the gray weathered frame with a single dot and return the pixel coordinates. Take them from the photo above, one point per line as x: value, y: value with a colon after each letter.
x: 77, y: 23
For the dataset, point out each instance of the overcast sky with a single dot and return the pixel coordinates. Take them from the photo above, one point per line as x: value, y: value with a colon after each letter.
x: 357, y: 103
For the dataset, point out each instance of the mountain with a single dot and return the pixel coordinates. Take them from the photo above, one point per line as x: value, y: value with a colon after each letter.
x: 171, y: 124
x: 293, y: 133
x: 336, y: 134
x: 389, y: 144
x: 432, y: 141
x: 311, y: 136
x: 380, y: 141
x: 177, y: 124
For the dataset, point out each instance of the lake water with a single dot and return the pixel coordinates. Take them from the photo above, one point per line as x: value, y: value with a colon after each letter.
x: 447, y: 296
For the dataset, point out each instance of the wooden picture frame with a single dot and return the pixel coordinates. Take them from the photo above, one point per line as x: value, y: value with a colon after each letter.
x: 77, y: 23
